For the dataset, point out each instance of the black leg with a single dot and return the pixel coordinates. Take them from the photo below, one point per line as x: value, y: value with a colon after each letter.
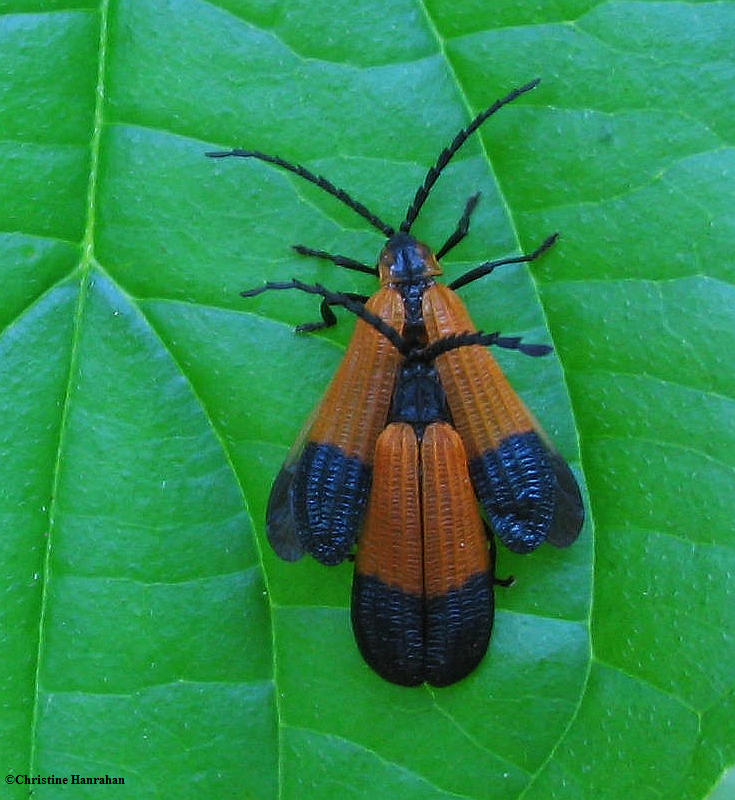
x: 338, y: 299
x: 462, y: 227
x: 469, y: 338
x: 340, y: 261
x: 515, y: 343
x: 510, y: 580
x: 489, y: 266
x: 329, y: 318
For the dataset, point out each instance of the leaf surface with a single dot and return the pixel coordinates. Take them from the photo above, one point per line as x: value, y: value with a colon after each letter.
x: 148, y: 631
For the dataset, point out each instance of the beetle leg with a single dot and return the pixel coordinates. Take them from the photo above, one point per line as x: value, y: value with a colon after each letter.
x: 329, y: 319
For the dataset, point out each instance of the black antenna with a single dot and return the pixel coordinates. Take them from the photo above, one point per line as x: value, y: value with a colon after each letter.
x: 462, y: 228
x: 340, y: 261
x: 318, y: 180
x: 489, y: 266
x: 444, y: 157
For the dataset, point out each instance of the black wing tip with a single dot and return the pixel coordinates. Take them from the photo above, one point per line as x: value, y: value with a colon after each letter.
x: 523, y: 542
x: 388, y: 627
x: 503, y: 477
x: 329, y: 497
x: 569, y: 514
x: 279, y: 523
x: 285, y: 550
x: 410, y: 640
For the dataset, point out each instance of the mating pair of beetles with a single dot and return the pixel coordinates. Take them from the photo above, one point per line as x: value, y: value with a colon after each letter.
x: 417, y: 426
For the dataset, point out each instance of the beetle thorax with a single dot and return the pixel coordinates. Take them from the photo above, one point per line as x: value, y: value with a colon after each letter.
x: 406, y: 260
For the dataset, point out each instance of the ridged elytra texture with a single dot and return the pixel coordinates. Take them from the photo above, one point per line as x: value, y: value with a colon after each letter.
x: 409, y: 640
x: 391, y: 542
x: 389, y: 629
x: 455, y: 543
x: 318, y: 500
x: 529, y: 493
x: 355, y: 406
x: 527, y: 490
x: 485, y: 407
x: 422, y: 603
x: 329, y: 495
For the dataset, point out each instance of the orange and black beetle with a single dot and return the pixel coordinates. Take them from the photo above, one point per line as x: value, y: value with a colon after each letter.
x: 418, y: 421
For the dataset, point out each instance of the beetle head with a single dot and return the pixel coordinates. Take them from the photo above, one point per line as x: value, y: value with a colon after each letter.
x: 406, y: 260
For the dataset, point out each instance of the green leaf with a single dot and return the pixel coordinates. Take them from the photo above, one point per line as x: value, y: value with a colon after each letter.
x: 148, y: 632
